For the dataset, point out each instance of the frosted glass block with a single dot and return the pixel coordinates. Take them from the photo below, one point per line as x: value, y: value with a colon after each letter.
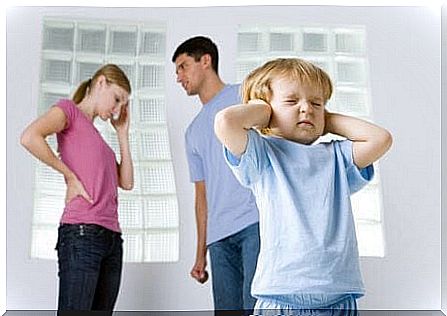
x: 132, y: 247
x: 366, y: 203
x: 151, y: 76
x: 243, y: 68
x: 58, y: 71
x: 85, y: 71
x: 49, y: 99
x: 160, y: 212
x: 52, y: 142
x: 152, y: 110
x: 321, y: 64
x: 370, y: 239
x: 155, y: 145
x: 123, y: 43
x: 111, y: 138
x: 158, y: 178
x: 349, y: 43
x: 48, y: 209
x: 353, y: 103
x: 130, y: 212
x: 129, y: 71
x: 249, y: 42
x: 280, y: 42
x: 153, y: 43
x: 91, y: 41
x: 315, y: 42
x: 48, y: 178
x: 58, y: 38
x: 43, y: 243
x: 161, y: 246
x: 350, y: 72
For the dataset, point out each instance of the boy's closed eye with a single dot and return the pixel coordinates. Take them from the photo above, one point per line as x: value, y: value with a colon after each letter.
x: 290, y: 101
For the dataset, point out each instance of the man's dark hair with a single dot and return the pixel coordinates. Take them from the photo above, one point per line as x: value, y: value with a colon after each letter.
x: 196, y: 47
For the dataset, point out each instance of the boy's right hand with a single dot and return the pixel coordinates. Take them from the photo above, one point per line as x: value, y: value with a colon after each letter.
x: 262, y: 102
x: 74, y: 189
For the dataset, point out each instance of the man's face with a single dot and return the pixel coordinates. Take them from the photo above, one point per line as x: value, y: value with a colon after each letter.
x: 190, y: 73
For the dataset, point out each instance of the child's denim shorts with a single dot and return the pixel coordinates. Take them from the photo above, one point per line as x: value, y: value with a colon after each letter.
x: 319, y: 305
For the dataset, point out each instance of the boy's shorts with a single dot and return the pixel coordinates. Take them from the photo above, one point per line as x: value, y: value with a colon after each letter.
x: 346, y: 306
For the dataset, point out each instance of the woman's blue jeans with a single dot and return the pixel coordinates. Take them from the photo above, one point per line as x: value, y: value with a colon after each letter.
x: 90, y: 264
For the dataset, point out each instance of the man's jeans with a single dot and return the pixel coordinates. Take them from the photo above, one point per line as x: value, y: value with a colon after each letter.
x: 233, y: 264
x: 90, y: 263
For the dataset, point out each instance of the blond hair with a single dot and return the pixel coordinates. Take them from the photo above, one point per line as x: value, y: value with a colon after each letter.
x: 258, y: 84
x: 111, y: 72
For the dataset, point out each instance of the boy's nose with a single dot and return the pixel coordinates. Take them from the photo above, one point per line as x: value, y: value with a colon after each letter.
x: 304, y: 107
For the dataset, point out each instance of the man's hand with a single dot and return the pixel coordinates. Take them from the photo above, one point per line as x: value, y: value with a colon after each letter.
x: 198, y: 271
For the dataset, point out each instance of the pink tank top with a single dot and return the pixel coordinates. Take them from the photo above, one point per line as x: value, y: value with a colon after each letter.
x: 85, y: 152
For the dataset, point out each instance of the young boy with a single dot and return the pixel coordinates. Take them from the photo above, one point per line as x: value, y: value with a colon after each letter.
x: 308, y: 257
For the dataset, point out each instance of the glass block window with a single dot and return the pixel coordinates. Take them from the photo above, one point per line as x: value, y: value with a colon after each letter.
x: 249, y: 41
x: 315, y: 42
x: 281, y: 42
x: 341, y: 52
x: 91, y: 38
x: 153, y: 43
x: 123, y: 41
x: 72, y: 51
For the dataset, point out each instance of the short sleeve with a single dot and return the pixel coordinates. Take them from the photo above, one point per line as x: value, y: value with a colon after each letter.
x: 195, y: 163
x: 69, y: 109
x: 249, y: 167
x: 357, y: 178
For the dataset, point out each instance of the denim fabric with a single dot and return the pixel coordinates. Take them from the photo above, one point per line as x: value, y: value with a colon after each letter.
x: 90, y: 264
x: 233, y: 264
x: 345, y: 306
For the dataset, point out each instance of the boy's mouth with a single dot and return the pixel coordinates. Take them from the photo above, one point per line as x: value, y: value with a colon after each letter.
x: 305, y: 123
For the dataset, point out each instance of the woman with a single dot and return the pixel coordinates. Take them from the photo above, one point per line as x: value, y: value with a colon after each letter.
x: 89, y: 242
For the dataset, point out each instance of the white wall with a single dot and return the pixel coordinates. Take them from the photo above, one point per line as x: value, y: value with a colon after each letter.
x: 444, y: 157
x: 404, y: 55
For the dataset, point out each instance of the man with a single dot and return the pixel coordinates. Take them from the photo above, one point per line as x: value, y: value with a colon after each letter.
x: 226, y: 213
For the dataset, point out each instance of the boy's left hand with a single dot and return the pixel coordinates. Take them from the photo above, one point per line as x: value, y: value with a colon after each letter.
x: 327, y: 127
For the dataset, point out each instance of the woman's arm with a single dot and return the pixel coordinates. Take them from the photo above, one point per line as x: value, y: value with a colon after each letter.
x: 33, y: 139
x: 125, y: 167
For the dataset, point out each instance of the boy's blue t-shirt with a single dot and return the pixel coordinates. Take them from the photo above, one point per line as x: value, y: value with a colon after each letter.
x: 308, y: 240
x: 231, y: 207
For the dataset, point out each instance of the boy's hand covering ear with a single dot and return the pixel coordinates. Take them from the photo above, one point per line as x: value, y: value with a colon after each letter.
x: 327, y: 115
x: 257, y: 101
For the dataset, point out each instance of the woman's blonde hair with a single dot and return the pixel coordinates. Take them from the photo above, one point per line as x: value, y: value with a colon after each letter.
x: 111, y: 72
x: 258, y: 84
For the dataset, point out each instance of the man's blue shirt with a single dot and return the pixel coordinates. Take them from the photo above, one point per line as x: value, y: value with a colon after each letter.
x: 231, y: 207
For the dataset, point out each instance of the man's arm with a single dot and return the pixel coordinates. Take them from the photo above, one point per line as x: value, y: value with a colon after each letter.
x: 231, y: 125
x: 370, y: 141
x: 198, y: 271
